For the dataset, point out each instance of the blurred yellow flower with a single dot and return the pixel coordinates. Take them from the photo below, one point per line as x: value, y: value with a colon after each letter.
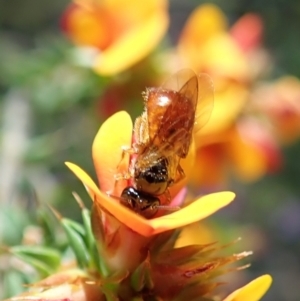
x: 123, y: 32
x: 107, y: 148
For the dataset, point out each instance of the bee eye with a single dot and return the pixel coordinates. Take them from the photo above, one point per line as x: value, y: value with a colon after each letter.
x: 129, y: 198
x: 140, y: 202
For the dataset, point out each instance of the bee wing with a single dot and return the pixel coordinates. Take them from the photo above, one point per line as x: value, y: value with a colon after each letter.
x: 205, y: 101
x: 177, y: 81
x: 171, y: 113
x: 181, y: 107
x: 205, y: 92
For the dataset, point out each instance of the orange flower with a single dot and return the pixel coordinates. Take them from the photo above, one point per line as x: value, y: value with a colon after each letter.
x: 207, y: 44
x: 247, y: 148
x: 130, y: 272
x: 123, y: 32
x: 279, y: 101
x: 115, y: 133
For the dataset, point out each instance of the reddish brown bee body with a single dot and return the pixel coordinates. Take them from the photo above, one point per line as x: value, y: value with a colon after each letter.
x: 164, y: 132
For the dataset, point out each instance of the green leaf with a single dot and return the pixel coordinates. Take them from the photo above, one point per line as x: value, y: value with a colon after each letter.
x: 98, y: 235
x: 75, y: 234
x: 44, y: 269
x: 13, y: 283
x: 12, y: 224
x: 77, y: 227
x: 48, y: 225
x: 110, y: 293
x: 91, y: 242
x: 48, y: 256
x: 89, y: 237
x: 141, y: 277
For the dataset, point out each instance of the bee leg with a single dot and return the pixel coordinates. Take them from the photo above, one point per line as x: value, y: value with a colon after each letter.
x: 125, y: 150
x: 124, y: 175
x: 180, y: 174
x: 120, y: 177
x: 168, y: 196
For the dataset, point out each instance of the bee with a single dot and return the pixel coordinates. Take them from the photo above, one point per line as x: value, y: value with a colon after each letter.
x: 162, y: 137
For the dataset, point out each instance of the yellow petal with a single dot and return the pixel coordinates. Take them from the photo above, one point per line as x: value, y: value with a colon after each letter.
x: 253, y: 291
x: 196, y: 211
x: 89, y: 184
x: 132, y: 46
x: 204, y: 22
x: 196, y: 233
x: 222, y: 56
x: 115, y: 132
x: 228, y: 94
x: 250, y: 162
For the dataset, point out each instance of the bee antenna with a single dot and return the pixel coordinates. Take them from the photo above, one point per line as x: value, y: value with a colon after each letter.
x: 108, y: 193
x: 168, y: 208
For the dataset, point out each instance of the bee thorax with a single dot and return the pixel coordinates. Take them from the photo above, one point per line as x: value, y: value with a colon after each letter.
x: 154, y: 179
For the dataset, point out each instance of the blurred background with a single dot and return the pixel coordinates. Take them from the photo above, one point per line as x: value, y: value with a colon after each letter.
x: 67, y: 66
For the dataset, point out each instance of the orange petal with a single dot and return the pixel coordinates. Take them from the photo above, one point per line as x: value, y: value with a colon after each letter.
x: 196, y: 211
x: 125, y: 31
x: 114, y: 133
x: 86, y: 27
x: 253, y: 291
x: 105, y: 202
x: 124, y: 215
